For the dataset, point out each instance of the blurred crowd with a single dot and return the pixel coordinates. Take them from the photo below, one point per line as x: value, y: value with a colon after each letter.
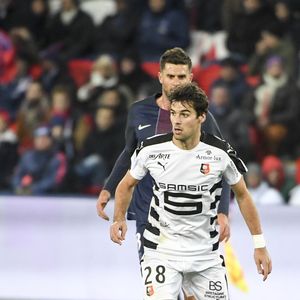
x: 67, y: 81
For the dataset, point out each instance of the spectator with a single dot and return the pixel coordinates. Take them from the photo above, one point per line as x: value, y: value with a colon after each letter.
x: 287, y: 14
x: 114, y: 99
x: 116, y: 33
x: 12, y: 93
x: 229, y: 118
x: 104, y: 76
x: 8, y: 150
x: 38, y: 17
x: 24, y: 44
x: 274, y: 108
x: 273, y: 42
x: 33, y: 113
x: 27, y: 27
x: 233, y: 79
x: 55, y: 72
x: 230, y: 9
x: 70, y: 32
x: 13, y: 13
x: 261, y: 192
x: 134, y: 77
x: 274, y: 174
x: 247, y: 26
x: 101, y: 148
x: 62, y: 121
x: 160, y: 29
x: 41, y: 170
x: 200, y: 8
x: 110, y: 98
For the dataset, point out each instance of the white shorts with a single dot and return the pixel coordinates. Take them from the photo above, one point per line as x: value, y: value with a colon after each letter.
x: 163, y: 279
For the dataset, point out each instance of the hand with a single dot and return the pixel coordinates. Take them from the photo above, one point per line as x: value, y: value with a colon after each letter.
x: 263, y: 262
x: 118, y: 231
x: 224, y: 229
x: 103, y: 198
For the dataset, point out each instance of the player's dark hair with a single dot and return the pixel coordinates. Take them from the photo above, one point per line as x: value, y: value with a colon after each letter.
x: 191, y: 94
x: 176, y: 56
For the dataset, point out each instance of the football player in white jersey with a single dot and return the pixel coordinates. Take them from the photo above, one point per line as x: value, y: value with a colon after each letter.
x: 181, y: 238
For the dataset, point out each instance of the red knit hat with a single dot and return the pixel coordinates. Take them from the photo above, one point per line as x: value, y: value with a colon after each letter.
x: 272, y: 163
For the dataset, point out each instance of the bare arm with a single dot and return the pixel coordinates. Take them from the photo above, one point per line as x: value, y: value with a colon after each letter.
x: 123, y: 197
x: 247, y: 207
x: 251, y: 217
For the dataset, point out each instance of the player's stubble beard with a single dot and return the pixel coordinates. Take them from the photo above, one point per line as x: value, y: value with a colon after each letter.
x: 168, y: 93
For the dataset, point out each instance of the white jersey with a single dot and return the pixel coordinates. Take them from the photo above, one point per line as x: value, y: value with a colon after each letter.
x: 186, y: 193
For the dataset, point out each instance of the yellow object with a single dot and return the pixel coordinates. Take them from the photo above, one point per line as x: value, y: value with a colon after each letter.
x: 234, y: 269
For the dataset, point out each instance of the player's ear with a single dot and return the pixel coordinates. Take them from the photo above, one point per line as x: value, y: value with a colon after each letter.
x: 191, y: 77
x: 160, y: 77
x: 202, y: 118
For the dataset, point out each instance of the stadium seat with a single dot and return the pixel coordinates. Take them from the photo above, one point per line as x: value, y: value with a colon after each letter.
x: 205, y: 76
x: 152, y: 68
x: 80, y: 70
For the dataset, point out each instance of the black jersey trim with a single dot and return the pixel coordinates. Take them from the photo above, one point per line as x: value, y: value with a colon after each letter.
x: 212, y: 140
x: 154, y: 140
x: 213, y: 219
x: 215, y: 246
x: 155, y: 186
x: 217, y: 185
x: 152, y: 229
x: 158, y: 139
x: 225, y: 146
x: 213, y: 233
x: 223, y: 260
x: 213, y: 205
x: 154, y: 214
x: 149, y: 244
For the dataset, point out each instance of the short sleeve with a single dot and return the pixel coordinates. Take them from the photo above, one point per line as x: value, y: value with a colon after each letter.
x: 231, y: 173
x: 138, y: 164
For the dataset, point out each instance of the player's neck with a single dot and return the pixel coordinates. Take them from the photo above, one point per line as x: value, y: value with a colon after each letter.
x: 163, y: 102
x: 188, y: 144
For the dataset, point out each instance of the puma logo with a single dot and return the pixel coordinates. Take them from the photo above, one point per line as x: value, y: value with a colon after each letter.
x: 164, y: 166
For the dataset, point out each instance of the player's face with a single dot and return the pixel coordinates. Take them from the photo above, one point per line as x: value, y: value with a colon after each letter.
x: 185, y: 122
x: 172, y: 76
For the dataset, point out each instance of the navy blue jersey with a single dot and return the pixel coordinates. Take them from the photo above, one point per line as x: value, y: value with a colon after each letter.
x: 146, y: 119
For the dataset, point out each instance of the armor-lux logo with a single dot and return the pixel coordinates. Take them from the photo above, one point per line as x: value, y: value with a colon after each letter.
x: 149, y: 290
x: 204, y: 169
